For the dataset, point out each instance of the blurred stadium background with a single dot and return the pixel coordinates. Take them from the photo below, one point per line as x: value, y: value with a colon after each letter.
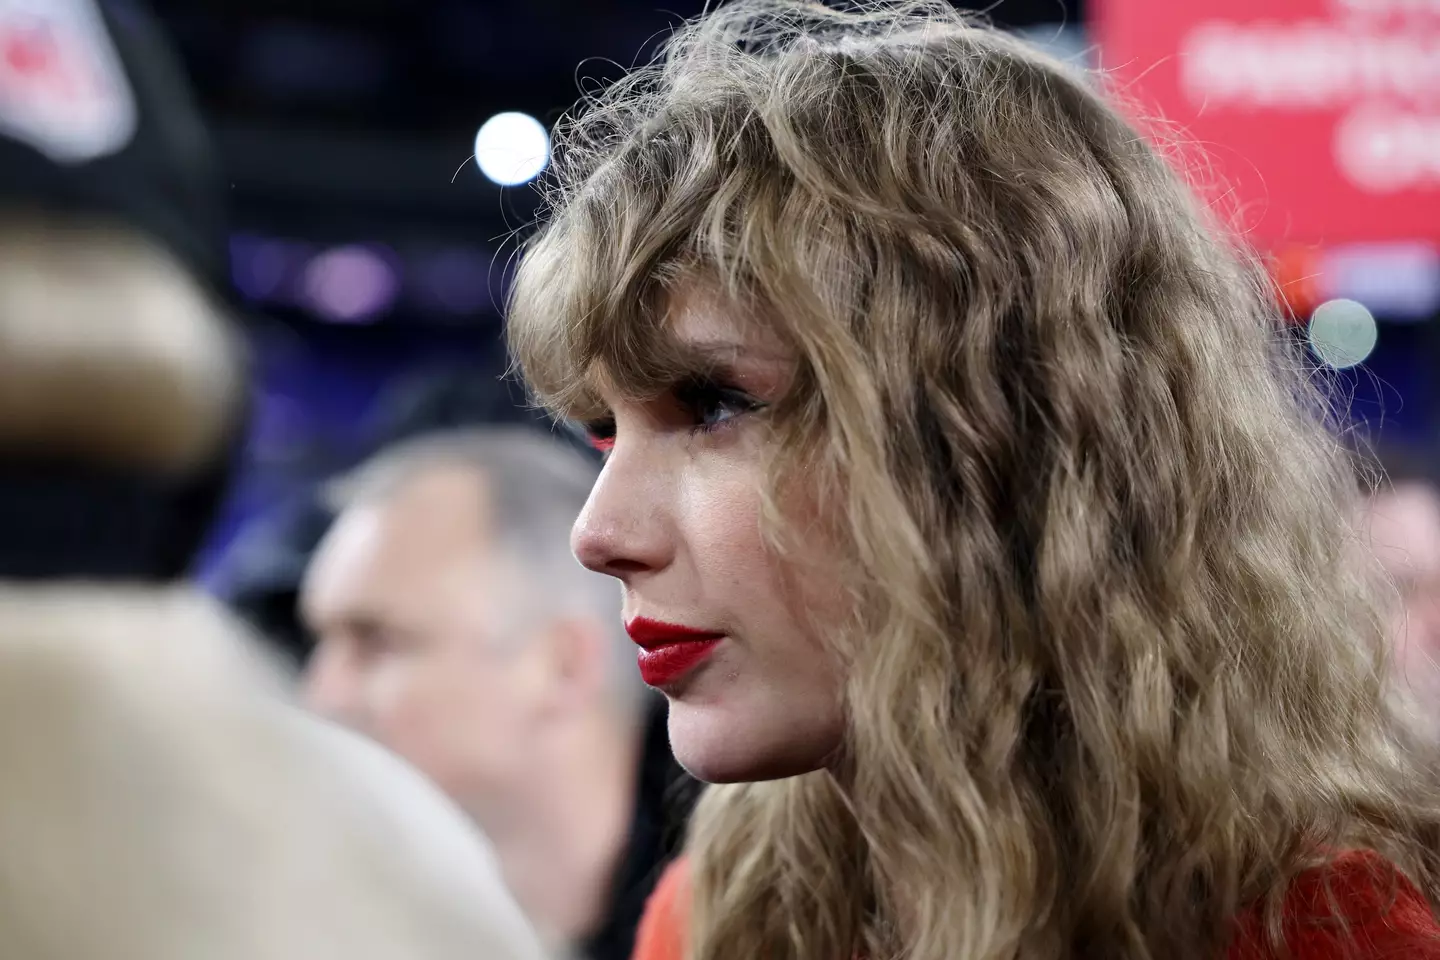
x: 377, y: 153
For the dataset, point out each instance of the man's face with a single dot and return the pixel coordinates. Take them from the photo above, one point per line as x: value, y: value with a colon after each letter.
x: 1404, y: 525
x: 415, y: 620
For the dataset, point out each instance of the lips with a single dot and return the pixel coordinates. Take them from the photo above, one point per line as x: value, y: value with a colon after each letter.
x: 669, y: 652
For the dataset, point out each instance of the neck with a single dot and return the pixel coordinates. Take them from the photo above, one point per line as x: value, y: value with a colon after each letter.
x: 566, y: 831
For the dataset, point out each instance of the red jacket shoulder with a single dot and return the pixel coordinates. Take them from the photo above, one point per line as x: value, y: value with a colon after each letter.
x: 1385, y: 921
x: 666, y: 921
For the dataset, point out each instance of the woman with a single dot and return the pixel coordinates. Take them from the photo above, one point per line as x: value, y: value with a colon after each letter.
x: 971, y: 512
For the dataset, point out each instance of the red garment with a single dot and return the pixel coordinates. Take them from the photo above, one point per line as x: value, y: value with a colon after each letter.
x: 1380, y: 929
x: 1402, y: 928
x: 666, y: 919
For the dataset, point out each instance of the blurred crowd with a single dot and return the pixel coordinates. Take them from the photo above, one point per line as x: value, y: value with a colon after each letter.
x: 468, y: 765
x: 402, y: 720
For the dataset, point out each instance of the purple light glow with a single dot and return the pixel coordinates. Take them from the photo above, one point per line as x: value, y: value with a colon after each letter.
x: 351, y: 284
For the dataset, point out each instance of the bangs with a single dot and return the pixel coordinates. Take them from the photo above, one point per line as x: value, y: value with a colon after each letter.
x: 651, y: 192
x: 736, y: 162
x: 589, y: 318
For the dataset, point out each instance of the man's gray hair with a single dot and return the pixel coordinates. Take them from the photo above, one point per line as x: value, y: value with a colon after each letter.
x: 535, y: 487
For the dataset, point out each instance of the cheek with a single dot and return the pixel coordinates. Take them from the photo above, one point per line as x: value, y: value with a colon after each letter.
x: 1424, y: 627
x: 418, y: 701
x: 721, y: 514
x: 401, y: 697
x: 809, y: 578
x: 721, y: 524
x: 449, y: 718
x: 773, y: 707
x: 784, y: 603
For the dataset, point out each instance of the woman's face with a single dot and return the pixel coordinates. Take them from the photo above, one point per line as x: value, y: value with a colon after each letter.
x: 675, y: 516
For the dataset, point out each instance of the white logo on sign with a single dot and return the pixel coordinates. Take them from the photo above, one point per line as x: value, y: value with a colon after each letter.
x: 63, y: 89
x: 1382, y: 151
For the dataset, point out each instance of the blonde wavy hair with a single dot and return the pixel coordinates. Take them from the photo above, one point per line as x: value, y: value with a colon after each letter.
x: 1116, y: 669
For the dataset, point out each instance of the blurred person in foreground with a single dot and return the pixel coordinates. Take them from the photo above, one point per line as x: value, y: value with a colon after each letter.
x: 973, y: 512
x: 1402, y: 523
x: 161, y: 795
x: 455, y: 626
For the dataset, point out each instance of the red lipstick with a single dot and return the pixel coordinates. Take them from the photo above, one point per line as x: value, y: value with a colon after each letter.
x: 669, y: 652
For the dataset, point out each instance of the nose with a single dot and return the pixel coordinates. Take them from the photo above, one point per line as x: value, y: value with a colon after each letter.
x: 624, y: 527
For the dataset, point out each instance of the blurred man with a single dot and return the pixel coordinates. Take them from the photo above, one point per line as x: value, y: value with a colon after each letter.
x: 160, y: 795
x: 456, y: 628
x: 1403, y: 520
x: 259, y: 576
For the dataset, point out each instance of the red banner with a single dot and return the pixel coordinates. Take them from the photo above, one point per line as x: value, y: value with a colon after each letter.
x: 1323, y: 116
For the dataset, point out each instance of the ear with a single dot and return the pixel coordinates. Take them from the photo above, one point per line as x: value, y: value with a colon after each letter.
x: 576, y: 663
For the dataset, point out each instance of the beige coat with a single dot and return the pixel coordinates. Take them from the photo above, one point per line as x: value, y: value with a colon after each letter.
x: 162, y: 799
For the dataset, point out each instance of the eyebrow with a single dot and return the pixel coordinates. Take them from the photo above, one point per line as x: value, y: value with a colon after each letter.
x: 703, y: 354
x: 345, y: 618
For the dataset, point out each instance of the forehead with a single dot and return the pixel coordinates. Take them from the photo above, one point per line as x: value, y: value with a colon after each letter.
x: 406, y: 540
x: 702, y: 333
x: 694, y: 313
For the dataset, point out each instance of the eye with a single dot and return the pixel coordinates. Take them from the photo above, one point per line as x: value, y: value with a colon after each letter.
x: 712, y: 404
x: 373, y: 639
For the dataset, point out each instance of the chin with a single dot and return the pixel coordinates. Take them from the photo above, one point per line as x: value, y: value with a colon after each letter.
x: 715, y: 745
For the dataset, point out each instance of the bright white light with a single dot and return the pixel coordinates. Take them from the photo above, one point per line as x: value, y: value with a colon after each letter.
x: 512, y: 148
x: 1342, y: 333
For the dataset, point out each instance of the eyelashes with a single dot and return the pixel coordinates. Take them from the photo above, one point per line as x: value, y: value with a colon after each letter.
x: 705, y: 404
x: 712, y: 404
